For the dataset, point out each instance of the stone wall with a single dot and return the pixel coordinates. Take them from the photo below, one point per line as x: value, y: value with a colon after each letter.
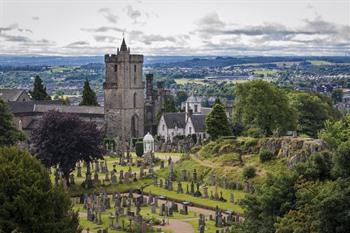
x: 295, y: 149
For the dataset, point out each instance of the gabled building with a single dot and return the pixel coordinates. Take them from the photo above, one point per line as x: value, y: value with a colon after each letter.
x: 10, y: 95
x: 187, y: 123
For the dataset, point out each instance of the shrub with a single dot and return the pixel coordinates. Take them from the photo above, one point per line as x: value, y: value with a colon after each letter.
x: 139, y: 149
x: 254, y: 132
x: 249, y: 172
x: 265, y: 155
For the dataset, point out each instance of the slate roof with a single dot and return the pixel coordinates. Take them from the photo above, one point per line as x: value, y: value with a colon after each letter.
x: 123, y: 47
x: 198, y: 121
x: 48, y: 105
x: 10, y: 94
x: 70, y: 109
x: 173, y: 119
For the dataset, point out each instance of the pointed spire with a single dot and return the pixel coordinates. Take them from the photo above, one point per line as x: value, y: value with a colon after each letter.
x: 123, y: 47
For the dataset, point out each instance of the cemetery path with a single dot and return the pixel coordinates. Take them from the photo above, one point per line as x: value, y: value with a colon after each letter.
x: 201, y: 162
x: 178, y: 226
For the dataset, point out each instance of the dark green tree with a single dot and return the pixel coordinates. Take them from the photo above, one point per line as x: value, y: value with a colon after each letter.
x: 63, y: 139
x: 181, y: 96
x: 169, y: 104
x: 28, y: 202
x: 312, y: 111
x: 39, y: 90
x: 341, y: 160
x: 216, y: 122
x: 89, y: 96
x: 260, y: 105
x: 336, y: 132
x: 9, y: 134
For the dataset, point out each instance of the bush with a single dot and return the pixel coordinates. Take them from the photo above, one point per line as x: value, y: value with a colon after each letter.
x: 254, y: 132
x: 249, y: 172
x: 265, y: 155
x: 139, y: 149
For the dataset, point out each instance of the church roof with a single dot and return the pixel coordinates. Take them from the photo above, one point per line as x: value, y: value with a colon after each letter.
x: 173, y: 119
x: 198, y: 121
x: 193, y: 99
x: 10, y: 94
x: 123, y: 47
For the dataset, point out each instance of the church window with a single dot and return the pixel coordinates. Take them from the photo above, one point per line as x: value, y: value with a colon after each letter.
x: 135, y: 100
x: 134, y: 74
x: 115, y: 68
x: 195, y: 108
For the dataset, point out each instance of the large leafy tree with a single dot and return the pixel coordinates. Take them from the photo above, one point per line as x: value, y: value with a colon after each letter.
x: 312, y: 111
x: 89, y: 96
x: 336, y: 132
x: 63, y: 139
x: 216, y: 122
x: 9, y: 134
x: 181, y: 96
x: 39, y: 90
x: 260, y: 105
x: 28, y: 202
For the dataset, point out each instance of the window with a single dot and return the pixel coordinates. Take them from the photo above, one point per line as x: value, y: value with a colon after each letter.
x: 135, y: 74
x: 115, y: 68
x: 135, y: 99
x: 195, y: 108
x: 163, y: 127
x: 172, y: 133
x: 190, y: 130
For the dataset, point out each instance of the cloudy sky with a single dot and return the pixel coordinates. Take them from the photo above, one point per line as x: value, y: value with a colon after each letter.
x: 176, y: 27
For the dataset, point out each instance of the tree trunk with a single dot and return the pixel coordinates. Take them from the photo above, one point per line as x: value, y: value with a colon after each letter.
x: 66, y: 178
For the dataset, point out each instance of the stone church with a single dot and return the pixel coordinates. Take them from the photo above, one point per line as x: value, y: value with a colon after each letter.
x: 124, y: 94
x: 129, y: 109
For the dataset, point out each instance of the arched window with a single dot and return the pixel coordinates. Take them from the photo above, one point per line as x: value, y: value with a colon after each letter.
x: 115, y: 68
x: 135, y: 74
x: 135, y: 95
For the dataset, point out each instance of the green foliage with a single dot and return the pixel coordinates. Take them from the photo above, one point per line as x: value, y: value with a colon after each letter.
x: 336, y: 132
x: 28, y: 202
x: 320, y: 207
x: 139, y: 148
x: 271, y: 201
x: 261, y: 105
x: 89, y: 96
x: 341, y: 160
x: 249, y: 172
x: 317, y: 167
x: 181, y: 96
x: 216, y: 122
x: 9, y: 134
x: 39, y: 90
x: 265, y: 155
x: 169, y: 104
x: 312, y: 112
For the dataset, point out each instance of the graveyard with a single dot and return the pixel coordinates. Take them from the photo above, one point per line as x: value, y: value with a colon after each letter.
x: 163, y: 191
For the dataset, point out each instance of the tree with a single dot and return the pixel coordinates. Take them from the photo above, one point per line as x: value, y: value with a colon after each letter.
x: 29, y: 203
x: 181, y: 96
x: 89, y: 96
x: 341, y: 160
x: 63, y: 139
x: 336, y: 132
x: 39, y: 90
x: 260, y: 105
x: 216, y: 122
x: 312, y: 112
x: 9, y: 134
x: 169, y: 104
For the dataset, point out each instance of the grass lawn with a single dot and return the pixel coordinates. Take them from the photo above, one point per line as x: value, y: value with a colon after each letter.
x: 320, y: 62
x: 210, y: 203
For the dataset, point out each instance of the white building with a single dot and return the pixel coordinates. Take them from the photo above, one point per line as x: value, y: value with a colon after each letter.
x: 190, y: 122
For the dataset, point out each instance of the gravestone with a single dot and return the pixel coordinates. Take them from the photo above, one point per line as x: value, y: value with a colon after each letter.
x: 205, y: 192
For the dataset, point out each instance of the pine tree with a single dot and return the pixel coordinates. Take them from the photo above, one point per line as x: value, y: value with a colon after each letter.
x: 89, y: 96
x: 39, y: 90
x: 216, y: 122
x: 9, y: 135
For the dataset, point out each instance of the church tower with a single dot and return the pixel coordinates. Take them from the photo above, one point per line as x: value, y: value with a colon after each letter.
x: 124, y: 94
